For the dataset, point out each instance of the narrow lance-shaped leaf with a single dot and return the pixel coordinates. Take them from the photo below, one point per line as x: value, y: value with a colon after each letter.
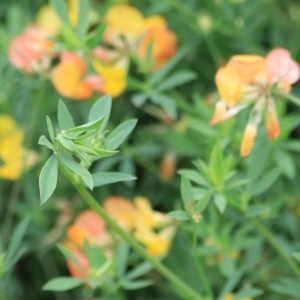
x: 119, y: 134
x: 60, y: 284
x: 48, y: 178
x: 88, y: 126
x: 83, y: 19
x: 180, y: 215
x: 50, y: 129
x: 78, y: 169
x: 65, y: 120
x: 103, y: 178
x: 220, y: 202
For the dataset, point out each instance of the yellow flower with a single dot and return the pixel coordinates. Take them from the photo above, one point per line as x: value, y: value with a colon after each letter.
x: 12, y: 153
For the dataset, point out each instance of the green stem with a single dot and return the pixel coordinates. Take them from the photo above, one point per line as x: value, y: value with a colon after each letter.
x: 199, y: 265
x: 186, y: 292
x: 267, y: 234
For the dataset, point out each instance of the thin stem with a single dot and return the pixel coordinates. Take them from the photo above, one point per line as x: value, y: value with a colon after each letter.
x: 186, y: 292
x: 199, y: 265
x: 267, y: 234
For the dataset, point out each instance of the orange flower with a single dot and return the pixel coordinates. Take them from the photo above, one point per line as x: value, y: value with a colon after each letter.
x: 167, y: 166
x: 248, y: 79
x: 122, y: 210
x: 68, y: 78
x: 164, y: 41
x: 30, y: 51
x: 88, y: 225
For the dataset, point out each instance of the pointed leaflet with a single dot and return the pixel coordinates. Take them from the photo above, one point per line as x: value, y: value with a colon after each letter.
x: 50, y: 129
x: 119, y: 134
x: 186, y: 189
x: 166, y: 103
x: 78, y: 169
x: 65, y: 120
x: 103, y: 178
x: 61, y: 9
x: 48, y: 178
x: 60, y: 284
x: 44, y: 141
x: 83, y: 19
x: 101, y: 108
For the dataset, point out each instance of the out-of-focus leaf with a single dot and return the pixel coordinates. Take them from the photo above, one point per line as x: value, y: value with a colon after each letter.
x: 65, y: 120
x: 103, y: 178
x: 180, y: 215
x: 60, y: 284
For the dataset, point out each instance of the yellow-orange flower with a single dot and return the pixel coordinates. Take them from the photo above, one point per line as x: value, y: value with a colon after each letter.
x: 230, y: 296
x: 164, y: 41
x: 248, y: 79
x: 68, y: 78
x: 12, y: 153
x: 121, y: 210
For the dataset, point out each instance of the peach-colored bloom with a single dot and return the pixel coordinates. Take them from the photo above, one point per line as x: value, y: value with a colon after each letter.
x: 164, y: 41
x: 87, y: 226
x: 248, y: 79
x: 68, y: 78
x: 121, y: 210
x: 30, y: 50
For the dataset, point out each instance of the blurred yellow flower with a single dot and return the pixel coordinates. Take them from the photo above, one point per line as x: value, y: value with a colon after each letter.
x: 15, y: 158
x: 230, y: 296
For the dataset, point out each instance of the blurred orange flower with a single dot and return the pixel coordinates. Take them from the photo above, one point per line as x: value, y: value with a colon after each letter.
x: 248, y: 79
x: 30, y: 50
x: 69, y: 78
x: 164, y: 41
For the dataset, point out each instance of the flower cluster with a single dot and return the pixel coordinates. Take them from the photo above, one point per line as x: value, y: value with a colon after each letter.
x: 83, y: 70
x: 152, y: 228
x: 248, y: 79
x: 14, y: 157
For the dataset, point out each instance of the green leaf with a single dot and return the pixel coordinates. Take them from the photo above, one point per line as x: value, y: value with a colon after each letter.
x: 65, y: 120
x: 297, y: 256
x: 139, y: 99
x: 195, y: 177
x: 103, y: 178
x: 180, y: 215
x: 78, y: 169
x: 162, y: 72
x: 204, y: 200
x: 50, y: 129
x: 101, y: 108
x: 227, y: 267
x: 96, y: 152
x: 61, y: 284
x: 119, y: 134
x: 220, y: 202
x: 186, y: 189
x: 138, y: 271
x: 122, y: 255
x: 61, y: 10
x: 93, y: 125
x: 247, y: 293
x: 257, y: 210
x: 216, y: 165
x: 265, y: 182
x: 45, y: 142
x: 83, y: 18
x: 138, y: 284
x: 176, y: 79
x: 285, y: 163
x: 95, y: 255
x: 69, y: 256
x: 286, y: 286
x: 15, y: 242
x: 93, y: 38
x: 48, y: 178
x: 166, y: 103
